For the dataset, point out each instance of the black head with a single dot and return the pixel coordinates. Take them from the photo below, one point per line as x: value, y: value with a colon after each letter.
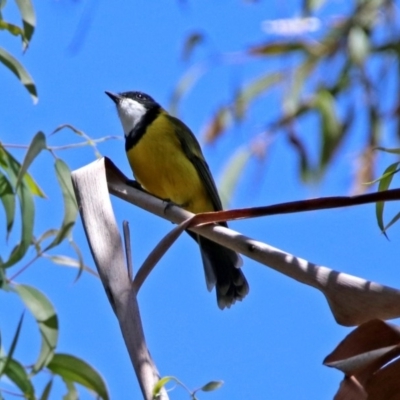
x: 133, y: 108
x: 140, y: 97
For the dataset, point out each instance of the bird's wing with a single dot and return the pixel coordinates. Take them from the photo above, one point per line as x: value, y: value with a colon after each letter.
x: 193, y: 152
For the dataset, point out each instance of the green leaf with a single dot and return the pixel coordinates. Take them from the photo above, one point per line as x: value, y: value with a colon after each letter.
x: 188, y: 80
x: 387, y: 150
x: 256, y: 88
x: 305, y: 168
x: 221, y: 120
x: 28, y: 19
x: 45, y: 235
x: 37, y: 144
x: 332, y: 131
x: 46, y: 391
x: 16, y: 67
x: 7, y: 197
x: 72, y: 393
x: 46, y: 318
x: 27, y: 210
x: 210, y: 386
x: 73, y: 369
x: 392, y: 221
x: 161, y: 383
x: 16, y: 373
x: 4, y: 363
x: 231, y: 173
x: 13, y: 29
x: 191, y: 42
x: 292, y: 98
x: 73, y: 129
x: 72, y: 262
x: 34, y: 187
x: 310, y: 6
x: 358, y: 45
x: 279, y: 47
x: 384, y: 183
x: 70, y: 205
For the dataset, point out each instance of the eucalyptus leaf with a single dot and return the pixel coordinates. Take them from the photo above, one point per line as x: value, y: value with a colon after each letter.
x: 37, y: 144
x: 22, y: 74
x: 7, y: 197
x: 70, y: 206
x: 73, y: 369
x: 17, y: 374
x: 28, y: 19
x: 46, y: 319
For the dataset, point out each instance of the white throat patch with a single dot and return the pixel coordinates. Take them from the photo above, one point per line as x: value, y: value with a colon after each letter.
x: 130, y: 113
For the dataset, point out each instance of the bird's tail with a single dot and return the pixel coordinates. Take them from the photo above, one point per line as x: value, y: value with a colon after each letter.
x: 222, y: 270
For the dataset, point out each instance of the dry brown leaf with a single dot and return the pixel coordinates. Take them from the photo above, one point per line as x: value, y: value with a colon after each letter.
x: 350, y: 389
x: 362, y: 356
x: 385, y: 384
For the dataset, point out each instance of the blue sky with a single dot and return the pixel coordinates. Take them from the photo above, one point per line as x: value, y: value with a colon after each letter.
x: 272, y: 344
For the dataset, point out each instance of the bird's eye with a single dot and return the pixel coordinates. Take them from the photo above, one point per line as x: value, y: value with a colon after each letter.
x: 139, y: 95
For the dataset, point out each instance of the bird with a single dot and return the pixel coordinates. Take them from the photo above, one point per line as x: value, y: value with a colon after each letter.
x: 167, y: 162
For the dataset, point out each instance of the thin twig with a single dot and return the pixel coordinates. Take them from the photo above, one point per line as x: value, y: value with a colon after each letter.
x: 128, y: 248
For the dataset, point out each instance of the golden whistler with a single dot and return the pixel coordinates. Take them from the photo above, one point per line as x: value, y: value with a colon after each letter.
x: 167, y: 161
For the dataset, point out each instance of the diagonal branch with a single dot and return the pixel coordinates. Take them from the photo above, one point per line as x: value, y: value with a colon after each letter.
x: 352, y: 300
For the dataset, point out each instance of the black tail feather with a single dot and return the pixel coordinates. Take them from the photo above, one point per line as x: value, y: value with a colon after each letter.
x: 222, y: 270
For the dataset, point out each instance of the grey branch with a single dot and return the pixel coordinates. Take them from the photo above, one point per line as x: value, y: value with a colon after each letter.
x: 352, y: 300
x: 105, y: 243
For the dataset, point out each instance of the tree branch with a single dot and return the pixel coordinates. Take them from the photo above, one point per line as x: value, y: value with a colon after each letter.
x: 105, y: 243
x: 352, y: 300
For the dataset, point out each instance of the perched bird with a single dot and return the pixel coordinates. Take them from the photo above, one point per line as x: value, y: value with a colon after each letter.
x: 167, y: 161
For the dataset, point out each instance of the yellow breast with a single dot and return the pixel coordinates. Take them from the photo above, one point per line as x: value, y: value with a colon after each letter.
x: 163, y: 169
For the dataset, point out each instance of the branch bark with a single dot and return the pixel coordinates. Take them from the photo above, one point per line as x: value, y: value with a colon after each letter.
x: 90, y: 186
x: 352, y: 300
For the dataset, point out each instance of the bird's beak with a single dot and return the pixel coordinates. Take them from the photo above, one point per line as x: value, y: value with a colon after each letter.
x: 116, y: 98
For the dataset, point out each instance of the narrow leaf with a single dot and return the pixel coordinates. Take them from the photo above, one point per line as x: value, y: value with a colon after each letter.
x: 27, y: 209
x: 331, y: 129
x: 12, y: 347
x: 81, y: 265
x: 72, y: 393
x: 188, y: 80
x: 221, y: 120
x: 387, y: 150
x: 70, y: 206
x: 392, y: 221
x: 275, y: 48
x: 384, y: 183
x: 28, y: 18
x: 37, y: 144
x: 191, y: 42
x: 72, y: 262
x: 73, y: 369
x: 34, y: 187
x: 46, y: 318
x: 16, y: 373
x: 7, y: 197
x: 13, y: 29
x: 358, y: 45
x: 256, y: 88
x: 231, y: 174
x: 16, y: 67
x: 161, y: 383
x: 210, y: 386
x: 46, y: 391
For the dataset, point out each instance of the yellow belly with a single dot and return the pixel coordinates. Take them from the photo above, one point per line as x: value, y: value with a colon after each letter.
x: 161, y: 167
